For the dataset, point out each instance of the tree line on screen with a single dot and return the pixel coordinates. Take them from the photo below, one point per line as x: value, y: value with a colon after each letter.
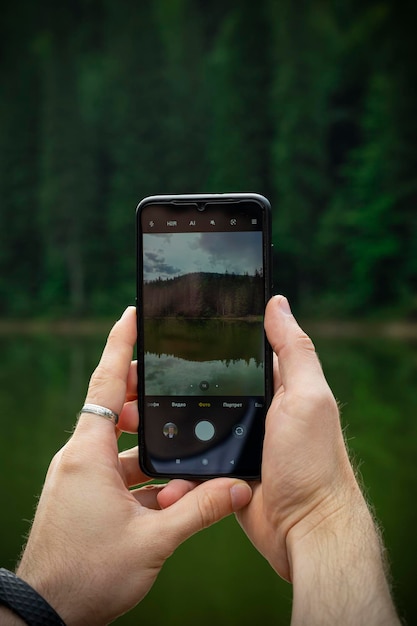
x: 205, y: 294
x: 312, y: 104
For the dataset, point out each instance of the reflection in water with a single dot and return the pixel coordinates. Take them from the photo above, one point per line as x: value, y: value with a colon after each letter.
x: 172, y: 376
x: 205, y: 340
x: 226, y: 354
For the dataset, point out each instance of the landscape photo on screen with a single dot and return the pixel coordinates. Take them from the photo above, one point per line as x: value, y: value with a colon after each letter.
x: 203, y: 307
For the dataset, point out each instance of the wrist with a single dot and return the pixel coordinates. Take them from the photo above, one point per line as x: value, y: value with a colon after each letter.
x: 9, y: 618
x: 330, y: 518
x: 49, y: 586
x: 63, y: 589
x: 337, y: 560
x: 24, y: 603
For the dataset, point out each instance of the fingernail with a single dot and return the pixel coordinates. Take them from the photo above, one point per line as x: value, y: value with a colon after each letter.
x: 126, y: 311
x: 285, y: 306
x: 241, y: 495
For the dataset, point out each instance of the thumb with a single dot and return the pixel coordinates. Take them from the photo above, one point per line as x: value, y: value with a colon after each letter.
x: 299, y: 366
x: 205, y: 505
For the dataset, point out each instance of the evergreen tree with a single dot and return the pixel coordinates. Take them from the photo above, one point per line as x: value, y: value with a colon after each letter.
x: 238, y: 92
x: 370, y: 226
x: 103, y: 103
x: 20, y: 252
x: 135, y: 143
x: 305, y: 49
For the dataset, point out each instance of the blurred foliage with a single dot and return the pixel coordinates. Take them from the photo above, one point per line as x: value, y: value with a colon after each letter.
x: 311, y: 103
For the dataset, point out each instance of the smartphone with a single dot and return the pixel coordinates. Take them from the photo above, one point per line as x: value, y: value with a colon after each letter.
x: 204, y: 364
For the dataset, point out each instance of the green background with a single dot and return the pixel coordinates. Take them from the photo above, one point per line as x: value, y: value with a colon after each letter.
x: 312, y: 104
x: 217, y: 576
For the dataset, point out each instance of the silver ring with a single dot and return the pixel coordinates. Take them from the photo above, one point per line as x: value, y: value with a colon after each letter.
x: 96, y: 409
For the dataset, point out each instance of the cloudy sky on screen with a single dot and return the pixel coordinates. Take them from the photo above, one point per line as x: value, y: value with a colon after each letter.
x: 169, y: 255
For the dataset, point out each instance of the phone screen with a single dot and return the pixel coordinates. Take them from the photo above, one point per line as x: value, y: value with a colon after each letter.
x: 203, y: 360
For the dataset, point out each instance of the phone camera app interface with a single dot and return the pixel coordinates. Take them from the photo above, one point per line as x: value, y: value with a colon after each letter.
x: 203, y: 300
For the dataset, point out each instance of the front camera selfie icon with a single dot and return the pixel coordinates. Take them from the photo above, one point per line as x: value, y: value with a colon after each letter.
x: 170, y: 430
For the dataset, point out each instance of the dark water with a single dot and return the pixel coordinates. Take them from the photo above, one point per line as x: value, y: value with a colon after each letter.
x: 180, y: 353
x: 217, y: 576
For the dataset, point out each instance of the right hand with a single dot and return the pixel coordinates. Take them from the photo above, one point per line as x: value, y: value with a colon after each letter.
x: 306, y: 473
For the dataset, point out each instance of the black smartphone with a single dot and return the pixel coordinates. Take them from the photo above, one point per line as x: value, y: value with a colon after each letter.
x: 204, y: 364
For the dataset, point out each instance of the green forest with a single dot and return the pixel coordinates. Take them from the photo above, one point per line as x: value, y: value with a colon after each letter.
x: 205, y: 294
x: 313, y: 104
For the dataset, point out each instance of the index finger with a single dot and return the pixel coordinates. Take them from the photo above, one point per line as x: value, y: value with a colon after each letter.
x: 108, y: 384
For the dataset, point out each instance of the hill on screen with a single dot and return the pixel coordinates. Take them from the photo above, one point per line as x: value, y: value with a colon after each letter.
x: 205, y: 294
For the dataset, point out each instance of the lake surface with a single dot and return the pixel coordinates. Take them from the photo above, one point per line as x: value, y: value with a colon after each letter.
x: 217, y: 576
x: 180, y: 353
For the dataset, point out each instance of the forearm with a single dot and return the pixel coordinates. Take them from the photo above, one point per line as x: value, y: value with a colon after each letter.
x: 338, y: 572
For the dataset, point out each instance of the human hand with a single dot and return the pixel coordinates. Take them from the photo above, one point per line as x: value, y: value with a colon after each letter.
x: 96, y: 547
x: 308, y: 516
x: 304, y: 457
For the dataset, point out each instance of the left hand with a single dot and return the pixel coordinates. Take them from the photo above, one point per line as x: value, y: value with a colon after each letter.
x: 96, y: 547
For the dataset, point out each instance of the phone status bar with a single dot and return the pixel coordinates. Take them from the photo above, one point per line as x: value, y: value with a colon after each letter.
x: 214, y: 223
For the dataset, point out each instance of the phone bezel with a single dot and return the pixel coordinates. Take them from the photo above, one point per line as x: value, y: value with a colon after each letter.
x: 197, y: 200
